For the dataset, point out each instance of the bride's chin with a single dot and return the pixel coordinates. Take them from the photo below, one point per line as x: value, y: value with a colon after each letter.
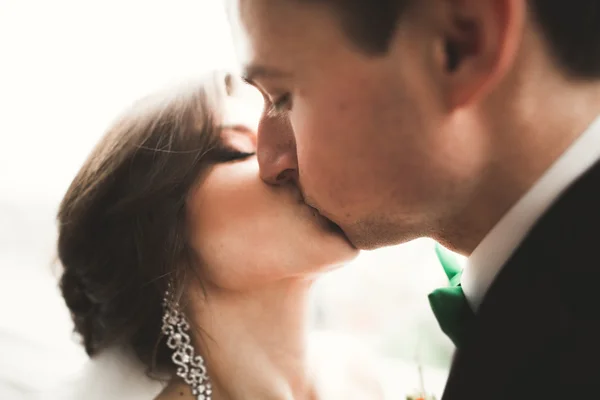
x: 332, y: 229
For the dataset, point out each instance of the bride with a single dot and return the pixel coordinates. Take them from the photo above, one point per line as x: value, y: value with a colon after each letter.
x: 188, y: 277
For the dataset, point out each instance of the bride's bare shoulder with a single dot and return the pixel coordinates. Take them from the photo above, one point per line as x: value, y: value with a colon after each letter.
x: 344, y: 367
x: 113, y: 374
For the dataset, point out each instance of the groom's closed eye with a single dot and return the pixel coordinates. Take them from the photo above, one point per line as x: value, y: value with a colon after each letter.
x: 262, y: 78
x: 279, y: 105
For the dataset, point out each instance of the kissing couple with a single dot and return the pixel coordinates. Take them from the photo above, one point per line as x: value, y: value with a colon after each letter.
x: 190, y: 240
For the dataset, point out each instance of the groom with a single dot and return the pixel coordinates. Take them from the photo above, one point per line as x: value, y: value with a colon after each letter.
x: 473, y: 122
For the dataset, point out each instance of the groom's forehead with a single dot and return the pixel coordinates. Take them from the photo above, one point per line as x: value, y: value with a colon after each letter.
x: 270, y: 33
x: 279, y: 18
x: 257, y: 26
x: 261, y: 13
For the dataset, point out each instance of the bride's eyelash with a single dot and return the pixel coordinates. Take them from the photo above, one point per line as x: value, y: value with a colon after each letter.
x: 228, y: 155
x: 240, y: 155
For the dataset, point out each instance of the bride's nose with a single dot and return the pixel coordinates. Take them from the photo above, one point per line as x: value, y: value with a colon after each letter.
x: 276, y: 151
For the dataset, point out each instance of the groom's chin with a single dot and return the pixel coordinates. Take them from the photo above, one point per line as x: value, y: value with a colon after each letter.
x: 363, y: 237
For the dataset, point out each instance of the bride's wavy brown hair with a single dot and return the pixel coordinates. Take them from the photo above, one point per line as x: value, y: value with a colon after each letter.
x: 122, y: 222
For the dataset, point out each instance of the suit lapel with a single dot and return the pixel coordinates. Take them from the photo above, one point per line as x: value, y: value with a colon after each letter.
x: 535, y: 297
x: 521, y: 321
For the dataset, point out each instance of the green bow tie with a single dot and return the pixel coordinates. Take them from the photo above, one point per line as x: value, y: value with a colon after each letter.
x: 449, y: 304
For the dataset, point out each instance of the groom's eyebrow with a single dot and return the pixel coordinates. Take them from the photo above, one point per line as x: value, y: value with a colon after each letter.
x: 252, y: 72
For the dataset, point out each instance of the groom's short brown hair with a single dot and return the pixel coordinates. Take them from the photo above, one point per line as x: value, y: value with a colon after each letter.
x: 572, y: 28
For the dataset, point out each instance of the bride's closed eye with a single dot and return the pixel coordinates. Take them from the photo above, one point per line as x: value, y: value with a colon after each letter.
x: 229, y: 155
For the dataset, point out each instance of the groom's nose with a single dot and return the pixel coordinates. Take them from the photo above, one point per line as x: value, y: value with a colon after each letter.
x: 276, y: 150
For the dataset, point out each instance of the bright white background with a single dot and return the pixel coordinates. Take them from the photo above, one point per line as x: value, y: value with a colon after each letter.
x: 67, y: 68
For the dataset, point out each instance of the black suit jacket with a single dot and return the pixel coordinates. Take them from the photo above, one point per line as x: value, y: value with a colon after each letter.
x: 537, y: 333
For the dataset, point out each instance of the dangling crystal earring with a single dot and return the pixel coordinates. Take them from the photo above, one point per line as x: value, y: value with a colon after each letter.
x: 190, y: 367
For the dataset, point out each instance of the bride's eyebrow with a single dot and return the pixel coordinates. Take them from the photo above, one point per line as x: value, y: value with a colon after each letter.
x: 243, y: 135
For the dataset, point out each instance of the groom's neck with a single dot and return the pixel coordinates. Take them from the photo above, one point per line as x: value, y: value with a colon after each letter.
x: 526, y: 136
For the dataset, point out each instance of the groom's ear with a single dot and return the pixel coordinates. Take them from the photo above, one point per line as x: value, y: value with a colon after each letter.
x: 478, y: 45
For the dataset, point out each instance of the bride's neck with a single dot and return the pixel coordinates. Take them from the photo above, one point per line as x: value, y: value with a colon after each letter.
x: 254, y: 343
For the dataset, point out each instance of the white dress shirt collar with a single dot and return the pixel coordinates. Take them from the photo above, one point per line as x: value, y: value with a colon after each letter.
x: 496, y: 248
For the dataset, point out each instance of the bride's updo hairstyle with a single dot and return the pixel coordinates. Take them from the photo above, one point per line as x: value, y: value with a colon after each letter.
x: 122, y: 222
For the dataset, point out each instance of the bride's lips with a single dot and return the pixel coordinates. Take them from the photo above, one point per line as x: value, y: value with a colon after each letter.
x: 330, y: 224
